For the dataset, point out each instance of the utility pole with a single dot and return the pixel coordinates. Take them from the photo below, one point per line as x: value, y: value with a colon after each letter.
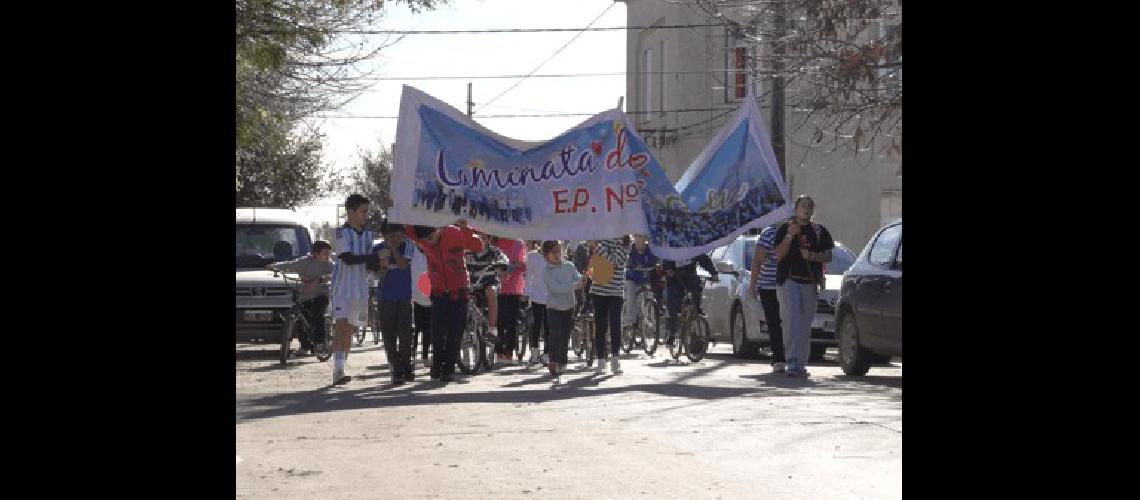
x: 779, y: 46
x: 469, y: 102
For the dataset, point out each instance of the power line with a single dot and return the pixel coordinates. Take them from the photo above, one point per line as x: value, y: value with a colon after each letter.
x: 536, y: 68
x: 564, y: 75
x: 475, y: 32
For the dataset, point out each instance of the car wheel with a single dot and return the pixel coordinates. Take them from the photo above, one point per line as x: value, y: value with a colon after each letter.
x: 817, y: 351
x: 854, y: 359
x: 741, y: 347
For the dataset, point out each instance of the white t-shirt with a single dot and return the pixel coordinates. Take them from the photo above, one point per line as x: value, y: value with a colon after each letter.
x: 419, y: 268
x: 350, y: 282
x: 535, y: 288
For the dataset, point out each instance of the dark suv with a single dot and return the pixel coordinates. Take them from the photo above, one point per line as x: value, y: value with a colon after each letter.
x: 870, y: 304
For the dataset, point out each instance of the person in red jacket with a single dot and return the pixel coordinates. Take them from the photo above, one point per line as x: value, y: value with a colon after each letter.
x: 444, y: 248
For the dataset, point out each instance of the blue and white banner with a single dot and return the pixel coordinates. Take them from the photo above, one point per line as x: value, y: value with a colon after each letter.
x: 597, y: 180
x: 734, y: 185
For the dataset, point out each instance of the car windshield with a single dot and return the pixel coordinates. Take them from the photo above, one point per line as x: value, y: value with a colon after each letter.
x: 841, y: 259
x: 258, y: 246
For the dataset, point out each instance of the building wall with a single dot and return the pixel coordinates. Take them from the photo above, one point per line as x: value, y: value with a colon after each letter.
x: 853, y: 194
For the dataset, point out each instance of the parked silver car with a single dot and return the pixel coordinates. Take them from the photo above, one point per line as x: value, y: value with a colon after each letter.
x: 734, y: 316
x: 264, y: 236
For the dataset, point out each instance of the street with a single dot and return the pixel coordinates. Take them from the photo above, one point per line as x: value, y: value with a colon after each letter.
x: 721, y: 428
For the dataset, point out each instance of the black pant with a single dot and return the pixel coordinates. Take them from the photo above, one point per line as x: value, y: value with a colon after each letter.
x: 772, y: 317
x: 607, y: 317
x: 559, y: 340
x: 421, y: 321
x: 539, y: 312
x: 448, y: 318
x: 675, y: 295
x: 508, y: 322
x: 314, y: 311
x: 396, y: 326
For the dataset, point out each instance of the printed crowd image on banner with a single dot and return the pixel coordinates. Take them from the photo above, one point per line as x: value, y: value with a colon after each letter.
x: 732, y: 186
x: 596, y: 181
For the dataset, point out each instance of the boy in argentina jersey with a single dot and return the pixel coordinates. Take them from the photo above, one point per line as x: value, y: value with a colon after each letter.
x: 349, y: 293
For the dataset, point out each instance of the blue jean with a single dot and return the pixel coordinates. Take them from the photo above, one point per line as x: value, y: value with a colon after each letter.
x: 797, y: 308
x: 448, y: 318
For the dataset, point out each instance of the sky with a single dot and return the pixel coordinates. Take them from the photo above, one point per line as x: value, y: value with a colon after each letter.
x: 486, y: 54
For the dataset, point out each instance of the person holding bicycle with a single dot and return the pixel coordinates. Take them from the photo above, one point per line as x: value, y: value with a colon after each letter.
x: 313, y: 269
x: 640, y: 257
x: 450, y: 289
x: 680, y: 279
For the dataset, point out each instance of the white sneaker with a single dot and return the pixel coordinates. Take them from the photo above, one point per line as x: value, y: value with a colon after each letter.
x: 615, y: 365
x: 557, y: 383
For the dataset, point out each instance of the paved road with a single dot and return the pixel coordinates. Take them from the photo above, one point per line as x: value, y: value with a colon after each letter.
x: 721, y: 428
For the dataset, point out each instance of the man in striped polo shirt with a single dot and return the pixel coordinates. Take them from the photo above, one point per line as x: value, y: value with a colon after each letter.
x: 607, y: 271
x: 349, y: 293
x: 763, y: 283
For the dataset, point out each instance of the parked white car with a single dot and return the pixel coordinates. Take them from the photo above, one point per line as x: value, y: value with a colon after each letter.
x: 734, y: 316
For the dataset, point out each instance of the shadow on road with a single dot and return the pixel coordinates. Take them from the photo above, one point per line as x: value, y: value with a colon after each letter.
x: 429, y: 392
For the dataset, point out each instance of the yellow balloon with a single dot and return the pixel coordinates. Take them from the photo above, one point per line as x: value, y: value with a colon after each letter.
x: 601, y: 270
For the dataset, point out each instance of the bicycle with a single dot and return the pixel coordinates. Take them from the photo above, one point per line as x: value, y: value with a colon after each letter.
x: 582, y: 334
x: 525, y: 320
x: 648, y: 324
x: 695, y: 335
x: 476, y: 346
x: 296, y: 323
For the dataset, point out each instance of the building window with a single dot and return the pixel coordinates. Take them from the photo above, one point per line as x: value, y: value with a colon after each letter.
x: 662, y: 79
x: 647, y: 85
x: 740, y: 75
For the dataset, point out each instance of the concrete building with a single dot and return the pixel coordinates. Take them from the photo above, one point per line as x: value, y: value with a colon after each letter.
x: 684, y: 83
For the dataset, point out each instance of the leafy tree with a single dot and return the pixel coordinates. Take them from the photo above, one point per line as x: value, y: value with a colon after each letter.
x: 296, y: 58
x: 839, y: 60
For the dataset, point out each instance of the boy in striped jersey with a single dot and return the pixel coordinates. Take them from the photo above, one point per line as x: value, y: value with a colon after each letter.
x: 486, y: 269
x: 349, y: 294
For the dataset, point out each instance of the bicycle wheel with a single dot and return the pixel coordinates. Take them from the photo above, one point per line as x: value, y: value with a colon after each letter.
x: 679, y: 342
x: 589, y: 340
x: 626, y: 340
x: 323, y: 349
x: 468, y: 360
x: 487, y: 351
x: 287, y: 337
x: 358, y: 331
x: 523, y: 328
x: 698, y: 341
x: 650, y: 325
x: 578, y: 338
